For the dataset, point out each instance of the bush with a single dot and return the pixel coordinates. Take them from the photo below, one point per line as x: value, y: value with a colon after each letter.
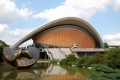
x: 102, y: 68
x: 63, y: 62
x: 96, y: 77
x: 71, y: 63
x: 89, y: 61
x: 98, y: 58
x: 3, y: 44
x: 54, y: 61
x: 109, y: 73
x: 81, y: 62
x: 70, y: 59
x: 111, y: 76
x: 113, y: 57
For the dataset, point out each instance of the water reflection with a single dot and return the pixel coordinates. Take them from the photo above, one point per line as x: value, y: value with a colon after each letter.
x: 44, y: 71
x: 22, y: 75
x: 7, y: 72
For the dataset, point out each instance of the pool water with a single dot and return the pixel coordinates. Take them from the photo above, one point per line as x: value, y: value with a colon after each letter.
x: 44, y: 71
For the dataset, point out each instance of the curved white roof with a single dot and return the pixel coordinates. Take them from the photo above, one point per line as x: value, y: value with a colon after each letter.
x: 63, y: 21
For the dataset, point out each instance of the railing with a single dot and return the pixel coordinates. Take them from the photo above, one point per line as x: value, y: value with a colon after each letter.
x: 51, y: 68
x: 88, y: 50
x: 70, y: 50
x: 50, y: 53
x: 74, y: 53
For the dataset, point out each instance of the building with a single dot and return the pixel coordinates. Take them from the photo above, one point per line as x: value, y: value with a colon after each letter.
x: 68, y: 32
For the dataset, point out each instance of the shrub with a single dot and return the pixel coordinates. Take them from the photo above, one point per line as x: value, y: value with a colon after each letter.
x: 102, y: 68
x: 63, y: 62
x: 111, y: 76
x: 109, y: 73
x: 98, y: 58
x: 70, y: 59
x: 54, y: 61
x: 70, y: 63
x: 3, y: 44
x: 96, y: 77
x: 80, y: 62
x: 113, y: 57
x: 89, y: 61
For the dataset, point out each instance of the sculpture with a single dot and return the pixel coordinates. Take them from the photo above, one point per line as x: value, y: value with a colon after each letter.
x: 21, y: 58
x: 21, y: 75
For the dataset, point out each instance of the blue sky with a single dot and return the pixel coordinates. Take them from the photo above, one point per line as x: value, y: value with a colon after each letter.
x: 20, y: 17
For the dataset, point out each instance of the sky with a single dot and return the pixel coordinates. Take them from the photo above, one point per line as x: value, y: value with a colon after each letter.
x: 19, y: 17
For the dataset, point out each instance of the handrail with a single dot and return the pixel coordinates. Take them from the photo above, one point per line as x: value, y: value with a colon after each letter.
x: 74, y: 53
x: 70, y: 50
x: 50, y: 53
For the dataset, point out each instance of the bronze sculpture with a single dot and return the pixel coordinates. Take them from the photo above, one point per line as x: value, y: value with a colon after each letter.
x: 21, y: 58
x: 26, y: 74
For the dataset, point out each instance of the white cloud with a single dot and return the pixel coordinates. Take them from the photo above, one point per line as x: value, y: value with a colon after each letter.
x: 19, y: 32
x: 3, y: 30
x: 10, y: 13
x: 112, y: 39
x: 114, y: 43
x: 75, y: 8
x: 25, y: 4
x: 25, y: 44
x: 3, y: 27
x: 117, y: 6
x: 29, y: 3
x: 10, y: 37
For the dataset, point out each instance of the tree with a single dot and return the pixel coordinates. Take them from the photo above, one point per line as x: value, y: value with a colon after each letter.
x: 113, y: 57
x: 31, y: 45
x: 2, y: 45
x: 106, y: 45
x: 69, y: 60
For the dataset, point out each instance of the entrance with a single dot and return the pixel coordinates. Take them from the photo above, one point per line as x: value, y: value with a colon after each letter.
x: 43, y: 55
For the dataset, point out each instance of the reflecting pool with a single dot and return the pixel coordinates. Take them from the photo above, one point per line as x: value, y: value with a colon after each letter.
x: 44, y: 71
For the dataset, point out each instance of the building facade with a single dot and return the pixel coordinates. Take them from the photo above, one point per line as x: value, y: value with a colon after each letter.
x: 65, y: 32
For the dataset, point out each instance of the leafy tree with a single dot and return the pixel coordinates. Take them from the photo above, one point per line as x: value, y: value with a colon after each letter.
x: 98, y: 58
x: 69, y: 60
x: 113, y: 57
x: 81, y: 61
x: 32, y: 45
x: 106, y: 45
x: 2, y: 45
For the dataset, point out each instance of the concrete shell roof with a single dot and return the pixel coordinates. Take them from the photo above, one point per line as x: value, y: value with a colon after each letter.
x: 62, y: 21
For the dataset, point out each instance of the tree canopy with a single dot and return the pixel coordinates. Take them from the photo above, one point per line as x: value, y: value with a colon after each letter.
x: 2, y: 45
x: 106, y: 45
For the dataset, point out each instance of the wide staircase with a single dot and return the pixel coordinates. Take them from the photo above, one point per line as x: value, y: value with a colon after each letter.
x: 57, y: 53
